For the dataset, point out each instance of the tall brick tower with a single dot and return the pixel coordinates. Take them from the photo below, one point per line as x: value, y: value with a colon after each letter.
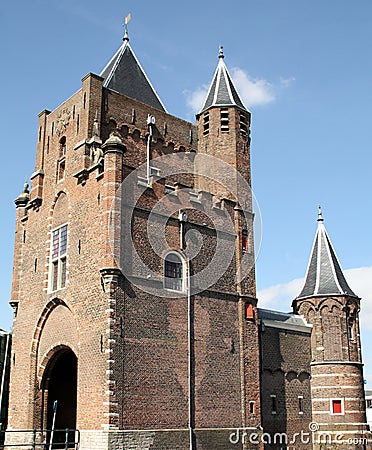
x: 134, y: 353
x: 328, y: 303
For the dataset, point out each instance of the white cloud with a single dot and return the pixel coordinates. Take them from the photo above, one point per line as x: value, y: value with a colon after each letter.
x: 195, y: 99
x: 280, y: 296
x: 252, y: 91
x: 286, y: 82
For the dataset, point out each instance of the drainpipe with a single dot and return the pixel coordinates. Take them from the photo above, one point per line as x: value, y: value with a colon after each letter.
x: 182, y: 218
x: 189, y: 337
x: 150, y: 123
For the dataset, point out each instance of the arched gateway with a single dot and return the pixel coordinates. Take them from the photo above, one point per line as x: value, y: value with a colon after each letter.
x: 59, y: 392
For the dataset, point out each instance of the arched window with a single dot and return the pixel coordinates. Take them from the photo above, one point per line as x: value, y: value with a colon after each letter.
x: 62, y: 146
x: 173, y: 272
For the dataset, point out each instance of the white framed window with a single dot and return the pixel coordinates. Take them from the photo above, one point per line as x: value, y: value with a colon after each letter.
x: 58, y: 254
x: 337, y: 406
x: 174, y: 272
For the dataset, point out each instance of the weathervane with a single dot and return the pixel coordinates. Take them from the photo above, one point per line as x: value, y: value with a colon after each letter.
x: 125, y: 25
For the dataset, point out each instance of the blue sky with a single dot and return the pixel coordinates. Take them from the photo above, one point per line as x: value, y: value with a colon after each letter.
x: 304, y: 70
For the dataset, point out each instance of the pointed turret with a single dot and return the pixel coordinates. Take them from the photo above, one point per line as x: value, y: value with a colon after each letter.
x: 125, y: 75
x: 324, y: 274
x: 222, y: 91
x: 332, y: 309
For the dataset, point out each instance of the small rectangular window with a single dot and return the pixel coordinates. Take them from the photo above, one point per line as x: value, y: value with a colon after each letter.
x: 273, y: 404
x: 337, y: 406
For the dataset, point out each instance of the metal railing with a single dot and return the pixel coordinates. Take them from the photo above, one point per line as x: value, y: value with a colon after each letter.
x: 66, y: 439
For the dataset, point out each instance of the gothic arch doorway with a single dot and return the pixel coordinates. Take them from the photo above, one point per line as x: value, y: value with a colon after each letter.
x: 59, y: 390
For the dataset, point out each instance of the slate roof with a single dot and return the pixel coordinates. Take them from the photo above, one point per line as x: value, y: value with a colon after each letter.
x: 285, y: 321
x: 324, y: 274
x: 125, y: 75
x: 222, y: 91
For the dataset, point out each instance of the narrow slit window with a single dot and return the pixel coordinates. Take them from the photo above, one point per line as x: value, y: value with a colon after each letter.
x: 244, y: 240
x: 274, y: 408
x: 300, y: 404
x: 252, y: 407
x: 350, y: 328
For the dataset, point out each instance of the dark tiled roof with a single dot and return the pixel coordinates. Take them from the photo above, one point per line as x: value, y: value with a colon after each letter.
x: 222, y: 91
x: 125, y: 75
x: 324, y: 274
x: 283, y: 320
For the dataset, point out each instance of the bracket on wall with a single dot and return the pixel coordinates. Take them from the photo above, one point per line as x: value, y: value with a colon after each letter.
x: 35, y: 203
x: 110, y: 277
x: 14, y: 305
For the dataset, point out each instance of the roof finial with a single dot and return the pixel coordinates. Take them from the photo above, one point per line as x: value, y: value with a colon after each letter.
x: 320, y: 214
x: 125, y: 24
x: 25, y: 188
x: 220, y: 55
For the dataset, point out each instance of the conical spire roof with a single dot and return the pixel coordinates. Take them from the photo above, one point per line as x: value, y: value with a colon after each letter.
x: 222, y: 91
x: 324, y: 274
x: 125, y: 75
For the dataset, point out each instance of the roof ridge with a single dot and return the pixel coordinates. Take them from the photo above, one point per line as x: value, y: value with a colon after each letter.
x: 117, y: 59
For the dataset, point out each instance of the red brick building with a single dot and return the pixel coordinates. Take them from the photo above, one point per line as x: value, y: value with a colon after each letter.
x: 134, y: 294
